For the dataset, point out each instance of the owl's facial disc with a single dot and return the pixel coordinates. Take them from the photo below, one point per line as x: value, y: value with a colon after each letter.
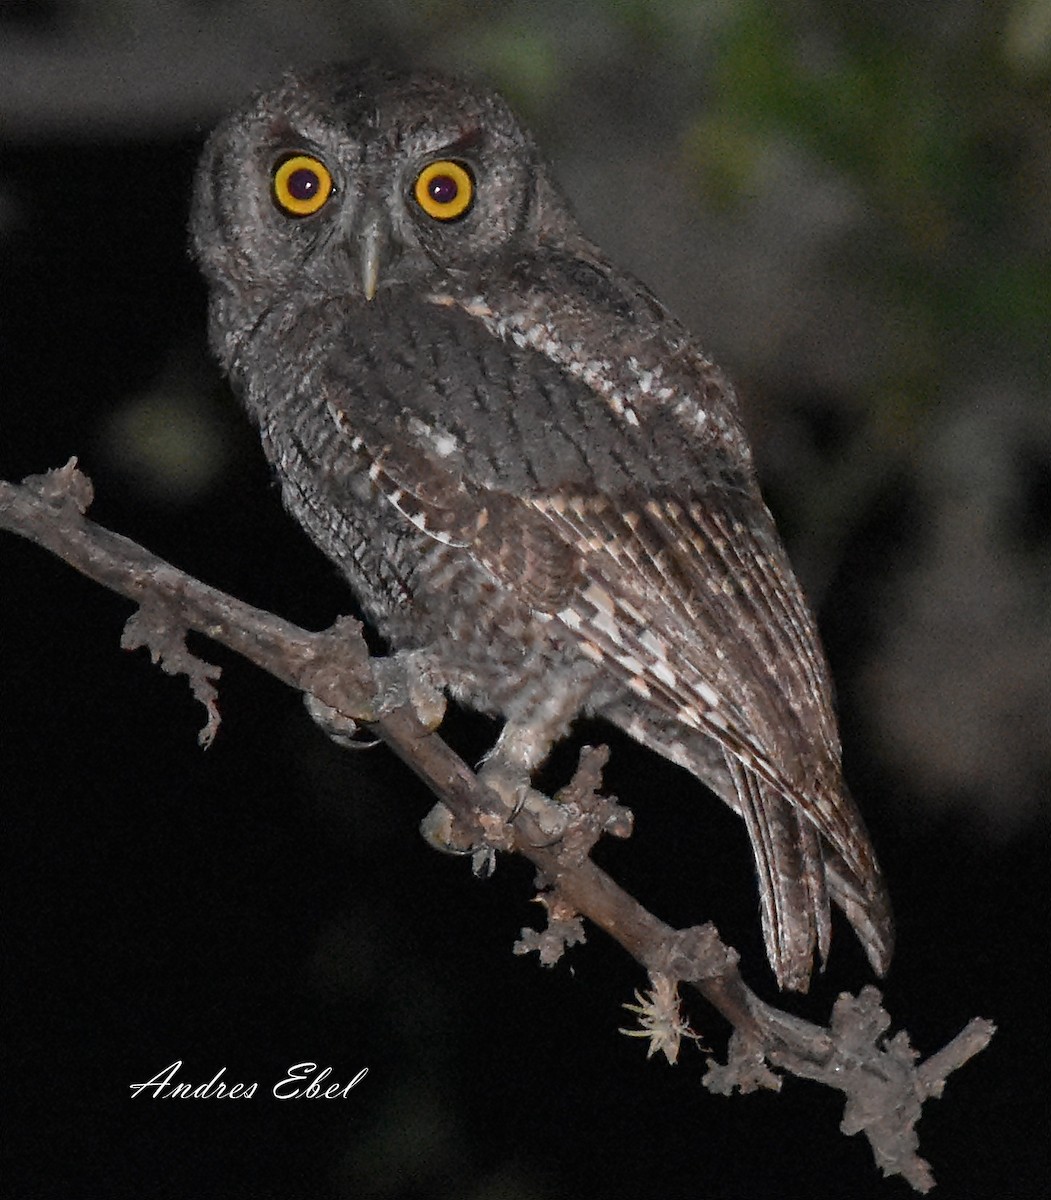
x: 340, y: 183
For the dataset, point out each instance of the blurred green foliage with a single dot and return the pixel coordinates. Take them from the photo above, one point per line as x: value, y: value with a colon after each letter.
x: 944, y: 133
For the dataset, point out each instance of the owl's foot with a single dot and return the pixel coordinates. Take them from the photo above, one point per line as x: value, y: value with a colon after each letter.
x: 411, y: 677
x: 514, y: 787
x: 576, y: 816
x: 574, y: 819
x: 442, y: 831
x: 407, y: 678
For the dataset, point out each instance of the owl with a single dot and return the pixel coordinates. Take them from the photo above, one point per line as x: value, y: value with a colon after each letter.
x: 525, y: 467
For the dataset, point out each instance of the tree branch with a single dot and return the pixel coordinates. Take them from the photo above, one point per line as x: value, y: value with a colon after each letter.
x: 884, y: 1085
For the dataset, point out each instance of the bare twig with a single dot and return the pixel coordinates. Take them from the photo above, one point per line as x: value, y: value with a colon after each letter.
x: 884, y: 1086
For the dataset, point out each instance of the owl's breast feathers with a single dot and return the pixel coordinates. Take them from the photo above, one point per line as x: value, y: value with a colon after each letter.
x: 594, y: 465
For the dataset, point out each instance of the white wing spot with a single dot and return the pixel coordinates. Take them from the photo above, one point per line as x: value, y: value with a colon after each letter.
x: 444, y: 300
x: 707, y: 694
x: 629, y: 610
x: 630, y: 663
x: 445, y: 444
x: 605, y: 623
x: 600, y: 598
x: 653, y: 642
x: 590, y: 650
x: 664, y: 673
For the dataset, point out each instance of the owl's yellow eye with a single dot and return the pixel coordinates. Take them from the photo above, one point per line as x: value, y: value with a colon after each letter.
x: 302, y: 185
x: 444, y: 190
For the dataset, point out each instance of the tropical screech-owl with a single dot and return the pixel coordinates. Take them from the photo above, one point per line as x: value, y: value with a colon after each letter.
x: 525, y: 467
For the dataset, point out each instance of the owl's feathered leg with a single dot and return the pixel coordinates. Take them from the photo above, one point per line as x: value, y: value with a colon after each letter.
x: 531, y: 729
x: 538, y: 719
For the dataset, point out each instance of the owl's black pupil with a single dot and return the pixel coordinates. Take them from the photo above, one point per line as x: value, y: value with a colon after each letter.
x: 443, y: 189
x: 303, y: 184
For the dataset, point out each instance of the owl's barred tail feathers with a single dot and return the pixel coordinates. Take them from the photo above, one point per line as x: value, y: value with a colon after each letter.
x: 866, y: 908
x: 793, y: 899
x: 797, y: 874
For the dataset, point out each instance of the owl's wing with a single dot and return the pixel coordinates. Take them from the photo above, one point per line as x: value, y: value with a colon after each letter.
x: 660, y: 561
x: 693, y: 603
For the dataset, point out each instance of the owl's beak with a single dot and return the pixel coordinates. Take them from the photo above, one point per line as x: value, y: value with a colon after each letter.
x: 374, y: 243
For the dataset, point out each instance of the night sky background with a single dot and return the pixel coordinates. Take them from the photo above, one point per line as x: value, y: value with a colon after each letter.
x: 269, y: 901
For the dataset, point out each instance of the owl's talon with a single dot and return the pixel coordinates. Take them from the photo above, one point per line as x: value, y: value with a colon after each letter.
x: 441, y: 831
x: 428, y: 702
x: 483, y: 862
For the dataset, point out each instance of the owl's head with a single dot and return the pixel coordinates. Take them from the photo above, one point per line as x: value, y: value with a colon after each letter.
x: 351, y: 179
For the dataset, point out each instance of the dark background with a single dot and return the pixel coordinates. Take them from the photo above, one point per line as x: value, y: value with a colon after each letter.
x: 852, y: 213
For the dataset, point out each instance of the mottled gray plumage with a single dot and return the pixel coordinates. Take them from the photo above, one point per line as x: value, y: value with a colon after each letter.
x: 523, y: 465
